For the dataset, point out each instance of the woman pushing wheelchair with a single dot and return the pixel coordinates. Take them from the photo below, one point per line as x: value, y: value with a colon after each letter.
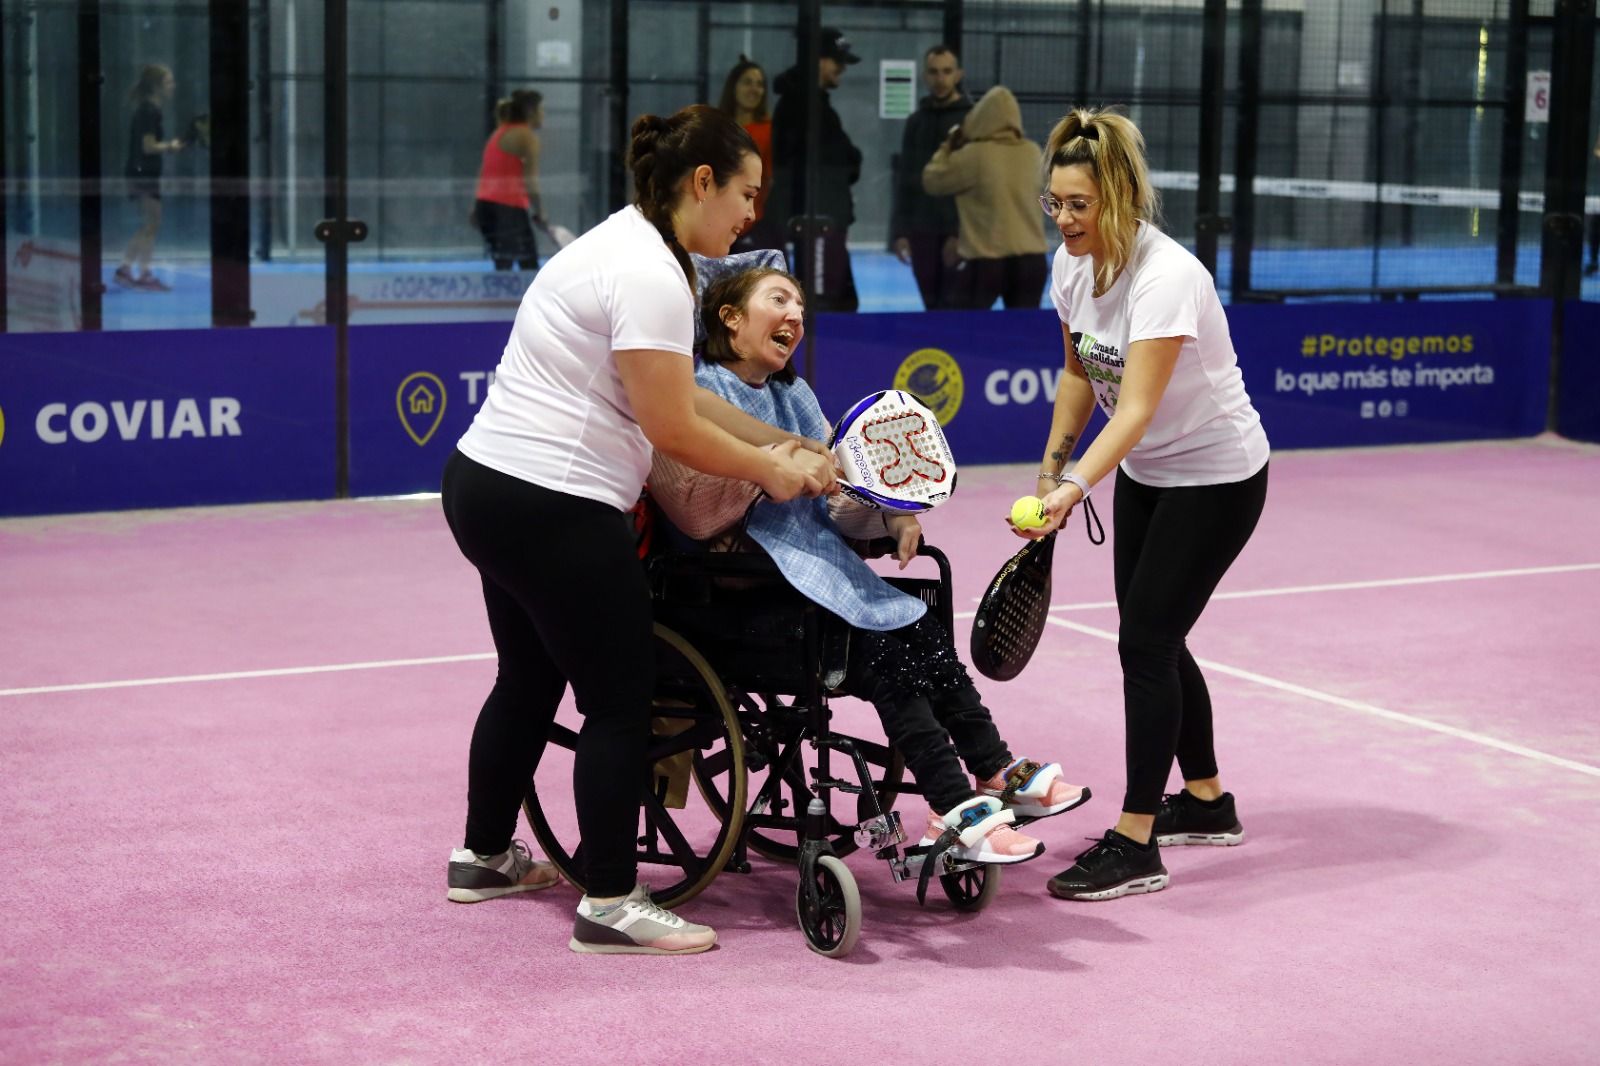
x: 596, y: 373
x: 901, y: 658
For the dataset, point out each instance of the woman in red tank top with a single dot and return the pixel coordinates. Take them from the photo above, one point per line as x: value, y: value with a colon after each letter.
x: 744, y: 96
x: 508, y: 182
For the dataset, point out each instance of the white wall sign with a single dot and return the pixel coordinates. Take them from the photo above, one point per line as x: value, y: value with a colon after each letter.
x: 897, y: 88
x: 1352, y: 74
x: 553, y: 54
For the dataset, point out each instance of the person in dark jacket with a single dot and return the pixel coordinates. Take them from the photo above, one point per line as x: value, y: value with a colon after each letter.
x: 831, y: 282
x: 923, y: 228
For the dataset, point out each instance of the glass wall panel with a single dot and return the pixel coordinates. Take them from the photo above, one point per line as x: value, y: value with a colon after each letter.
x: 1357, y: 96
x: 288, y: 149
x: 43, y: 291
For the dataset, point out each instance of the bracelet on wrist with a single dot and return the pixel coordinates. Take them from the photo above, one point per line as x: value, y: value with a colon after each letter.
x: 1067, y: 479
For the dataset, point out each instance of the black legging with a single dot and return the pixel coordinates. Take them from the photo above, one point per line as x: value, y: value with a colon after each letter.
x: 926, y: 701
x: 509, y: 234
x: 1172, y: 548
x: 568, y: 602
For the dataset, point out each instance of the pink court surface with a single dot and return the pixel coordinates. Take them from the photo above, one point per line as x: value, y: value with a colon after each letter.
x: 233, y: 745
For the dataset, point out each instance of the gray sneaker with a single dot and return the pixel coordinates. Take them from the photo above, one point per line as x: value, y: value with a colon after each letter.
x: 475, y: 878
x: 636, y: 926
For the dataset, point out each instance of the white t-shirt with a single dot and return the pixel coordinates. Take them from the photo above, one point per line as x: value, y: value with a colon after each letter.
x: 556, y: 414
x: 1205, y: 432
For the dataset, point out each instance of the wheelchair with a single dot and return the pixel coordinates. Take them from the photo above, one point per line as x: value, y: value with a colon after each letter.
x: 746, y: 667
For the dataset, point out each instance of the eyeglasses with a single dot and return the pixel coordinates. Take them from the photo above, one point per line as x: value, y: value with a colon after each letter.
x: 1052, y: 207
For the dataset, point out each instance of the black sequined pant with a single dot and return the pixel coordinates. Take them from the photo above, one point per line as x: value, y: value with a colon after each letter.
x: 930, y: 710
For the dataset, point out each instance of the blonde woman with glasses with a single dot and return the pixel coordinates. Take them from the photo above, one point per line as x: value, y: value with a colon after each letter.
x: 1147, y: 342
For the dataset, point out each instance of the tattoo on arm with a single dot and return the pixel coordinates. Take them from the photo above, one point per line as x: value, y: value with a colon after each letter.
x: 1064, y: 449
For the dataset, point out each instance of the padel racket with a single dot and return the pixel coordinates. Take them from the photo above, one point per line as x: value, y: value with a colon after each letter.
x: 1011, y: 617
x: 893, y: 454
x: 559, y: 234
x: 198, y: 131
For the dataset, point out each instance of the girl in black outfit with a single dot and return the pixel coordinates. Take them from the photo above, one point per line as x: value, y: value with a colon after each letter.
x: 146, y: 147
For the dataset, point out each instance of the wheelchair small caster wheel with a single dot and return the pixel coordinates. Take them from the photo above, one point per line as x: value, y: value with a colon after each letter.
x: 974, y: 889
x: 831, y: 924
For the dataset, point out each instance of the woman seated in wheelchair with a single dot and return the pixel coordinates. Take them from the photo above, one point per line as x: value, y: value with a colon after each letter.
x: 901, y: 659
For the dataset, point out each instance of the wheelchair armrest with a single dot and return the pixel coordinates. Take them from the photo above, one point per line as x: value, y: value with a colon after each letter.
x: 876, y: 548
x: 883, y: 548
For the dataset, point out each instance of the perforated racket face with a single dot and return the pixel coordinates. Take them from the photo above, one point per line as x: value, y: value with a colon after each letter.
x: 1012, y: 616
x: 894, y: 454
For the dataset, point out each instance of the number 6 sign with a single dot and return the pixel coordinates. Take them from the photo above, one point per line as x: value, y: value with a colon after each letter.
x: 1538, y: 104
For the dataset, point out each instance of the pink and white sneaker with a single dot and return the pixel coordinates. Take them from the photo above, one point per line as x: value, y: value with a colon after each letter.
x: 985, y: 831
x: 1032, y: 790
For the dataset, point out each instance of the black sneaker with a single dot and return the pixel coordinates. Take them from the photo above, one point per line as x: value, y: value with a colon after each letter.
x: 1185, y: 819
x: 1115, y: 866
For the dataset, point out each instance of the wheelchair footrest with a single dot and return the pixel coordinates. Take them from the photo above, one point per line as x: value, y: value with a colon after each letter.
x: 909, y: 867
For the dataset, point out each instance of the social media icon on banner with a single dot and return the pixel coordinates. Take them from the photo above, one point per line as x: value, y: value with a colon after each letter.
x: 1401, y: 408
x: 1385, y: 409
x: 1368, y: 409
x: 420, y: 401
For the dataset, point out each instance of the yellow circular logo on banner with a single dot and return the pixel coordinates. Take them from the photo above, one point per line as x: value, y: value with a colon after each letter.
x: 2, y: 427
x: 934, y: 377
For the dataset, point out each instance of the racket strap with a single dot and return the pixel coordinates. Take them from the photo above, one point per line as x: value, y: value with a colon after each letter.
x: 934, y: 856
x: 1091, y: 523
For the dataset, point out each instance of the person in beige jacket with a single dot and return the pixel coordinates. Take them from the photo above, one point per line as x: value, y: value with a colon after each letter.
x: 992, y: 170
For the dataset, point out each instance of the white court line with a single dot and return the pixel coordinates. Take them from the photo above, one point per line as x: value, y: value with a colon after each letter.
x: 1260, y: 679
x: 240, y: 675
x: 1362, y: 708
x: 1344, y: 586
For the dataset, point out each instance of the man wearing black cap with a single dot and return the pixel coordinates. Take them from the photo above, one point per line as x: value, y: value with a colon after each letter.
x: 832, y: 284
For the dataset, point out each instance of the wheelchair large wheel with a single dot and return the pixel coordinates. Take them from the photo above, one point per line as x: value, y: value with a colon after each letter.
x: 833, y: 924
x: 682, y: 845
x: 974, y: 889
x: 779, y: 760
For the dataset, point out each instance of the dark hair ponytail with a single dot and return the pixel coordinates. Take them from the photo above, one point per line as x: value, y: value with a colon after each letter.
x: 520, y: 106
x: 664, y: 151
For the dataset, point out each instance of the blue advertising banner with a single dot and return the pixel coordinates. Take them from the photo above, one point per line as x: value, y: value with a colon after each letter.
x: 1578, y: 403
x: 1339, y: 375
x: 415, y: 389
x: 413, y: 392
x: 1322, y: 375
x: 98, y: 421
x: 102, y: 421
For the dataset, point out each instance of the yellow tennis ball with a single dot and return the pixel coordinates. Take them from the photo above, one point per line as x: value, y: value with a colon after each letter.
x: 1028, y: 513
